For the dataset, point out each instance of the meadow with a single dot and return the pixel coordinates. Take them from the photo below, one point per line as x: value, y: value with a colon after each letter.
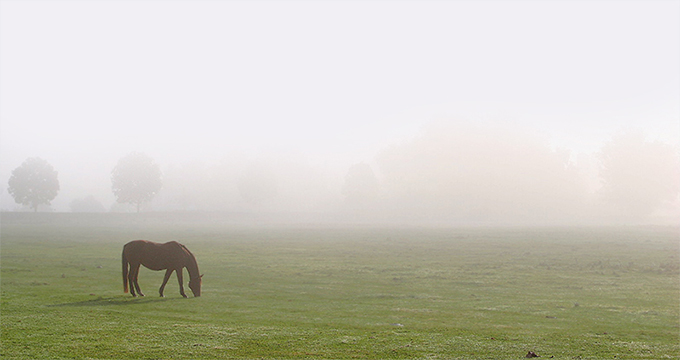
x: 339, y: 292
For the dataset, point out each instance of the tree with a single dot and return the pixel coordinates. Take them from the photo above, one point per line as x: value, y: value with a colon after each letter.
x: 258, y: 184
x: 33, y: 183
x: 638, y: 175
x: 136, y: 179
x: 87, y: 204
x: 482, y: 174
x: 361, y: 185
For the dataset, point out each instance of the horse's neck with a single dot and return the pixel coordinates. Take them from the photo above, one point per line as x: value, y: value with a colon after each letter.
x: 192, y: 266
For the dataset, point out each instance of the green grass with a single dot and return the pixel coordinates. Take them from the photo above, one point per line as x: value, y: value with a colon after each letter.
x: 327, y: 293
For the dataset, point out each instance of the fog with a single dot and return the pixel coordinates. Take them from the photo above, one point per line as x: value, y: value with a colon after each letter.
x: 423, y: 112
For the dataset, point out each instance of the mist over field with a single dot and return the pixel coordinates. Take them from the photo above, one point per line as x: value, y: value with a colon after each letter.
x: 462, y: 112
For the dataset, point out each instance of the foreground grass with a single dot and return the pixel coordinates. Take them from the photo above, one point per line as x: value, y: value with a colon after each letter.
x: 344, y: 293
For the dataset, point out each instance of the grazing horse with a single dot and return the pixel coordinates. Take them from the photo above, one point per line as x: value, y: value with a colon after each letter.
x: 171, y: 256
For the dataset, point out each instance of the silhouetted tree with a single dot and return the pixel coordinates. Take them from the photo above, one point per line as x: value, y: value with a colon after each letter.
x: 639, y: 175
x: 136, y: 179
x: 33, y: 183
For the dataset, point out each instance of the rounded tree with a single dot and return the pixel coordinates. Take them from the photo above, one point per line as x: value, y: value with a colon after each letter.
x: 639, y: 175
x: 136, y: 179
x: 34, y: 183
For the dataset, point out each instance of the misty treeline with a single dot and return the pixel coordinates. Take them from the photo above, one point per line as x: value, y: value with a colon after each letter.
x: 503, y: 175
x: 448, y: 174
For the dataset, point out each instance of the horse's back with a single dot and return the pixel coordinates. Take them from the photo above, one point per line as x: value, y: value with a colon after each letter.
x: 153, y: 255
x: 146, y: 244
x: 137, y: 244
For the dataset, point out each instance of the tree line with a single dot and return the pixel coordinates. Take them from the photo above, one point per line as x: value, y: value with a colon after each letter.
x: 136, y: 179
x: 442, y: 174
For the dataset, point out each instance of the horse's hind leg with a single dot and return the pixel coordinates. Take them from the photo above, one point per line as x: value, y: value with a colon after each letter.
x: 165, y: 280
x: 181, y: 281
x: 135, y: 277
x: 131, y: 279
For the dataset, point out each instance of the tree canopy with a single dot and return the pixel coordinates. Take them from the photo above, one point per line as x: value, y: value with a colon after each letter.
x: 136, y: 179
x: 34, y: 183
x: 639, y: 175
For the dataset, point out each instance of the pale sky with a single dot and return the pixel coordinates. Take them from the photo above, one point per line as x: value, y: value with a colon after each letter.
x: 83, y: 83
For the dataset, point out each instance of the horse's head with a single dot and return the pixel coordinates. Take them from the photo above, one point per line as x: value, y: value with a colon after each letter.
x: 195, y: 285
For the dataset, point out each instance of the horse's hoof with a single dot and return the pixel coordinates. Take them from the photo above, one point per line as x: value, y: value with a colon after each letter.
x: 184, y: 296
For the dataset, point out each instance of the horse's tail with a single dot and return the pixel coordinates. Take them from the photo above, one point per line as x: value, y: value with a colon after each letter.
x: 125, y: 273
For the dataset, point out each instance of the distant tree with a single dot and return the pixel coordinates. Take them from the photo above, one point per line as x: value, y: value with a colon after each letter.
x: 136, y: 179
x: 33, y: 183
x: 361, y: 185
x: 639, y: 175
x: 257, y: 184
x: 483, y: 174
x: 87, y: 204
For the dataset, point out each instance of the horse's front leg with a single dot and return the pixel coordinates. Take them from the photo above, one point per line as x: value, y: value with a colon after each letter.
x: 165, y: 280
x: 181, y: 281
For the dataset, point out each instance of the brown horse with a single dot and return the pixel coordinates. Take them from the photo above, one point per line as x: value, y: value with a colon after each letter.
x: 171, y: 256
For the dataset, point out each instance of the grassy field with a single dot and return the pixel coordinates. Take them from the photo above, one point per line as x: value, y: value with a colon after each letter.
x: 337, y: 293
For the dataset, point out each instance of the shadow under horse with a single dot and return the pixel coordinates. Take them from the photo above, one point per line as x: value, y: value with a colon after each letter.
x: 170, y: 256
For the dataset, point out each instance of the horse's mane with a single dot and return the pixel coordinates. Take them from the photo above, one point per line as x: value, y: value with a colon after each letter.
x: 185, y: 249
x: 191, y: 255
